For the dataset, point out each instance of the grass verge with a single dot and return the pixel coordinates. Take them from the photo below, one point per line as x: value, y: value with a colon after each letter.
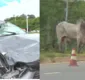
x: 52, y: 57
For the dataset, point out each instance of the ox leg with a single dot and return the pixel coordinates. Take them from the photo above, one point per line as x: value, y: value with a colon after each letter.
x: 60, y: 45
x: 63, y: 46
x: 64, y: 43
x: 78, y: 47
x: 81, y: 48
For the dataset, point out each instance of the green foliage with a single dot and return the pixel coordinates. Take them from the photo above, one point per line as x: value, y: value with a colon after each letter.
x: 76, y: 11
x: 51, y: 13
x: 33, y: 22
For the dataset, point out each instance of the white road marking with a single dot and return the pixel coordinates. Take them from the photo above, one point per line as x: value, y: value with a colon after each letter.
x: 52, y: 73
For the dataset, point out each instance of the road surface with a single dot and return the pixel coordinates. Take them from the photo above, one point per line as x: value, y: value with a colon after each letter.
x: 62, y: 71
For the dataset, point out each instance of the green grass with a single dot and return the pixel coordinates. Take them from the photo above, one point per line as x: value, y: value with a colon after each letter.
x: 83, y: 54
x: 52, y: 54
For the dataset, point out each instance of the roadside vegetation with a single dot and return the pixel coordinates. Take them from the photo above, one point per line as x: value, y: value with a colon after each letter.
x: 51, y: 13
x: 33, y: 22
x: 52, y: 56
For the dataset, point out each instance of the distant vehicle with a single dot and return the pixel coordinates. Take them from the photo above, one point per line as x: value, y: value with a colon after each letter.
x: 19, y: 53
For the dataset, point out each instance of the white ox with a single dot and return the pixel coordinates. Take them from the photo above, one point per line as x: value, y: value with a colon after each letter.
x: 67, y: 31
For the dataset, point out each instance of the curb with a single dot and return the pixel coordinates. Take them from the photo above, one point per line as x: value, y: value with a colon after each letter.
x: 57, y: 63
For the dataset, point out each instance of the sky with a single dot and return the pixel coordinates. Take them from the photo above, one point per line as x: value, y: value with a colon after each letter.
x: 9, y: 8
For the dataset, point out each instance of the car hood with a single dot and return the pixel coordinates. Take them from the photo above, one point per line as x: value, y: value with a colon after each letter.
x: 20, y: 48
x: 35, y: 36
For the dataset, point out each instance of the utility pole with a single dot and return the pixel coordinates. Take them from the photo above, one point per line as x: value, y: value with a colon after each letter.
x: 66, y: 10
x: 27, y: 23
x: 66, y: 19
x: 15, y: 19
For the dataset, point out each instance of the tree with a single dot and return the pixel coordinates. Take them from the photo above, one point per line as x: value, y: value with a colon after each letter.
x: 51, y: 13
x: 33, y: 22
x: 23, y: 16
x: 31, y: 16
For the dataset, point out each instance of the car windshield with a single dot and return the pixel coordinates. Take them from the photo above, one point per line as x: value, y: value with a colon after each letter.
x: 9, y: 28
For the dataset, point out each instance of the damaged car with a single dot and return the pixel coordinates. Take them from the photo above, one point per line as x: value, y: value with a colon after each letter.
x: 19, y: 53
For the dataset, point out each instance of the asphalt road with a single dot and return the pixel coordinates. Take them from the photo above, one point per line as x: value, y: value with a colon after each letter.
x: 62, y: 71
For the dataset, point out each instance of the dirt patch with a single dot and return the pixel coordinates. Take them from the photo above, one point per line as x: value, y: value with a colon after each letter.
x: 61, y: 59
x: 46, y: 60
x: 81, y: 58
x: 55, y: 60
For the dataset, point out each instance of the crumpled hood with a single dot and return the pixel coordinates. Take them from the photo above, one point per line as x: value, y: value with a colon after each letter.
x: 35, y: 36
x: 19, y: 49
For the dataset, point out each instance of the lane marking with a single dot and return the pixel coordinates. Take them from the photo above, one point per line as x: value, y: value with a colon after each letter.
x: 52, y: 73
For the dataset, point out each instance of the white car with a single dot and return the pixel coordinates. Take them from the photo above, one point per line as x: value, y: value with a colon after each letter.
x: 19, y: 53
